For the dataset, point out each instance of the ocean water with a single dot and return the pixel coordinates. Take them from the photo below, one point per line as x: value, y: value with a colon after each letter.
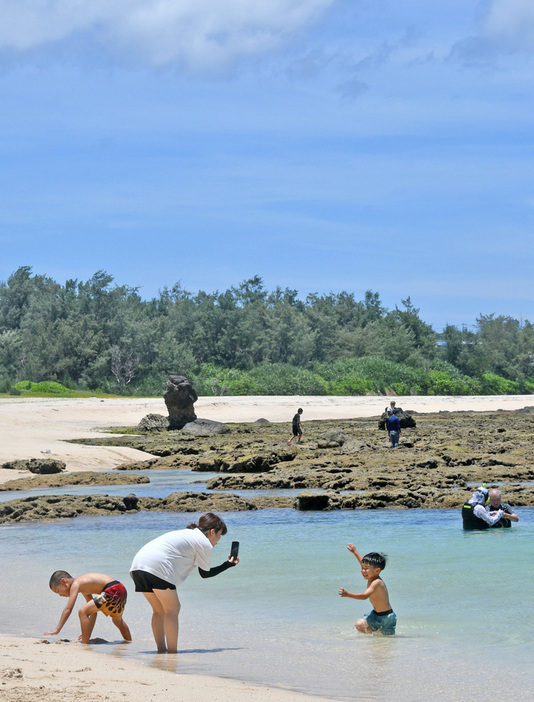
x: 463, y: 600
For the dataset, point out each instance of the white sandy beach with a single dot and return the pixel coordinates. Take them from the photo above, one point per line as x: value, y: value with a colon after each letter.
x: 37, y: 428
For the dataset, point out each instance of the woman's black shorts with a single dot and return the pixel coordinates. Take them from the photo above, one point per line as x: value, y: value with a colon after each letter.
x: 146, y: 582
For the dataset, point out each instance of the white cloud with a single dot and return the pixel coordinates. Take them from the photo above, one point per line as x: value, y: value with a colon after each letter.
x: 511, y: 23
x: 202, y: 34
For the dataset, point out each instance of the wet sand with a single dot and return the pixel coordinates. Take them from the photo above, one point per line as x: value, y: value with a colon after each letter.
x: 35, y: 671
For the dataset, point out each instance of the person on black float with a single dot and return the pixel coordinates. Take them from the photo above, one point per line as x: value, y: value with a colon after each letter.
x: 475, y: 516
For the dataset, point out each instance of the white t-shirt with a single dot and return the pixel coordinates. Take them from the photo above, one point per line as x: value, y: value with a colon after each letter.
x: 172, y: 556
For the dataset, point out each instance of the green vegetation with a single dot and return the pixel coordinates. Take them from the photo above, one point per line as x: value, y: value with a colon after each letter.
x: 95, y: 337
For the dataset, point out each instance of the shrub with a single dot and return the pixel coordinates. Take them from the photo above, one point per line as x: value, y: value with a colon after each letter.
x: 492, y: 384
x: 47, y: 387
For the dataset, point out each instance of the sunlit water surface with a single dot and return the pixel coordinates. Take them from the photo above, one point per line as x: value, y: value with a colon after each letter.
x: 463, y: 600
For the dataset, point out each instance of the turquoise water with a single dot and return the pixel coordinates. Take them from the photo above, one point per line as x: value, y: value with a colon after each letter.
x: 463, y: 600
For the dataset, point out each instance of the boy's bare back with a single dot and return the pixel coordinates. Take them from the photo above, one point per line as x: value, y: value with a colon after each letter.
x: 91, y: 583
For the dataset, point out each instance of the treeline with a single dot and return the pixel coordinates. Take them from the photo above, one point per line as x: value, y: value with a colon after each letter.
x: 103, y: 337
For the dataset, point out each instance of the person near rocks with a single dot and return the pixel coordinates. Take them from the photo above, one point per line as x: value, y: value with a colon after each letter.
x: 382, y: 618
x: 102, y: 594
x: 393, y: 429
x: 495, y: 504
x: 160, y: 566
x: 475, y: 516
x: 392, y: 409
x: 296, y: 427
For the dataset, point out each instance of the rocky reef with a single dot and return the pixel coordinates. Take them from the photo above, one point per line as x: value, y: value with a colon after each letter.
x: 89, y: 477
x: 56, y: 507
x: 347, y: 464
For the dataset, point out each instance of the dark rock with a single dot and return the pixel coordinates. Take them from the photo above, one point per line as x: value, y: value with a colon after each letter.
x: 205, y: 427
x: 152, y: 423
x: 262, y: 422
x: 131, y: 502
x: 405, y: 418
x: 427, y: 464
x: 310, y: 501
x: 179, y: 397
x: 40, y: 466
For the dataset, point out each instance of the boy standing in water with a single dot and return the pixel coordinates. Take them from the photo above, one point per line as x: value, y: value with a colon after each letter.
x: 102, y: 594
x: 382, y: 619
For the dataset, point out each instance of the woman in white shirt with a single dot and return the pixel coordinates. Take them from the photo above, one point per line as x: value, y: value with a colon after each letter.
x: 165, y: 562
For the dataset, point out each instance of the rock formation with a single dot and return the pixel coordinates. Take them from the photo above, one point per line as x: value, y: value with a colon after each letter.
x: 179, y: 397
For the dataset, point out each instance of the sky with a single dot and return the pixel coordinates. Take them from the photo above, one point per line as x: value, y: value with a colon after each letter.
x: 323, y: 145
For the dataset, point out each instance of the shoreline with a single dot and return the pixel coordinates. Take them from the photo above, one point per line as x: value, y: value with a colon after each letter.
x: 35, y: 670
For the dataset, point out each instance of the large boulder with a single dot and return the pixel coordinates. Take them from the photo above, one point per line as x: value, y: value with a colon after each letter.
x: 153, y: 423
x: 179, y: 397
x: 205, y: 427
x: 406, y: 419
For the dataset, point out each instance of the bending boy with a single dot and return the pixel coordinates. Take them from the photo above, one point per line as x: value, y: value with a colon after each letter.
x: 102, y: 594
x: 382, y: 618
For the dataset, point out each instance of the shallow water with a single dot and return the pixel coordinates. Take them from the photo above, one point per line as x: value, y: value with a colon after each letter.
x: 463, y: 600
x: 162, y: 483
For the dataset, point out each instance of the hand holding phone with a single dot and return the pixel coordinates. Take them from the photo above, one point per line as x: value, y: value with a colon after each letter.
x: 234, y: 551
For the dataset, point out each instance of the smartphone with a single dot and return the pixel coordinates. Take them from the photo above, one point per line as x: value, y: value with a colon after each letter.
x: 235, y: 549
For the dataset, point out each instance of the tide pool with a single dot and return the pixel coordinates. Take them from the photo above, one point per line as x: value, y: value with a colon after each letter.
x: 463, y: 600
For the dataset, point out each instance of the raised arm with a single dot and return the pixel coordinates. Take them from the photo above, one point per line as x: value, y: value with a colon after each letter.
x: 352, y: 549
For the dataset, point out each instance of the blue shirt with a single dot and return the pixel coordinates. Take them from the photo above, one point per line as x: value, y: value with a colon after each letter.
x: 393, y: 423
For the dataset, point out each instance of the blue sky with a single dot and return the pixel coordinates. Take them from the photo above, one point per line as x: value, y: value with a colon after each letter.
x: 325, y: 145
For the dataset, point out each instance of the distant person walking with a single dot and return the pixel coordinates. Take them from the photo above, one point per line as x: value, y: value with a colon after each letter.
x: 393, y: 429
x: 296, y: 428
